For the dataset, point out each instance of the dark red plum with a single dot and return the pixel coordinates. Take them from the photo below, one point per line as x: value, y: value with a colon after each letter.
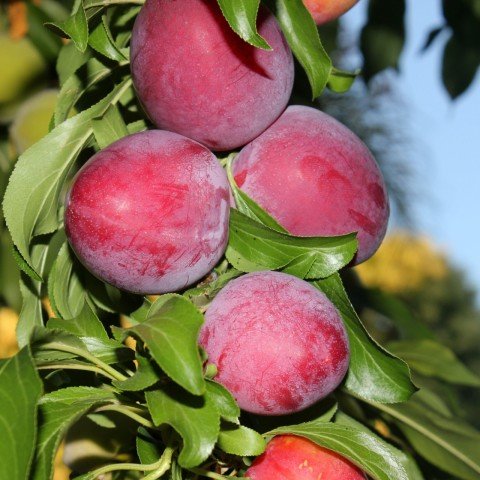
x: 316, y: 178
x: 289, y: 457
x: 278, y: 343
x: 197, y: 77
x: 149, y: 213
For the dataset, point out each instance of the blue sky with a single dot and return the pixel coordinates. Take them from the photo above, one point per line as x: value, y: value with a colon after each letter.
x: 448, y: 134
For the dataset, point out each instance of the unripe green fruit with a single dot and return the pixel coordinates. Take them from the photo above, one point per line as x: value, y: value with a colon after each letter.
x: 32, y: 120
x: 23, y: 69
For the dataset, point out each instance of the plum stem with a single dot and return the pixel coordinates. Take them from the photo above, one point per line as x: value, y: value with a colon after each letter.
x: 107, y: 3
x: 66, y: 366
x: 208, y: 474
x: 87, y: 356
x: 162, y: 465
x: 158, y: 468
x: 129, y: 412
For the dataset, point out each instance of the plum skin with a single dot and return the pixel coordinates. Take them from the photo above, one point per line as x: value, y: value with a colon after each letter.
x: 149, y: 213
x: 207, y: 83
x: 289, y: 457
x: 324, y: 11
x: 278, y: 343
x: 316, y: 178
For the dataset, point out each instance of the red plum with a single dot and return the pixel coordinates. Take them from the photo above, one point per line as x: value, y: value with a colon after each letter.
x: 149, y: 213
x: 197, y: 77
x: 278, y: 343
x: 289, y: 457
x: 316, y: 178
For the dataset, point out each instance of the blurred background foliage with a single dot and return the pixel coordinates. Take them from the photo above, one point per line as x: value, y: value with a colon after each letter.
x: 383, y: 37
x: 437, y: 294
x: 433, y: 292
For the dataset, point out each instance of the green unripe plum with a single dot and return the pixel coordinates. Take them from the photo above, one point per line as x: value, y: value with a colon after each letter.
x: 23, y: 69
x: 32, y: 120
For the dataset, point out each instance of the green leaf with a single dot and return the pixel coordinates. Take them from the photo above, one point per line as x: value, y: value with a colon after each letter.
x: 102, y: 420
x: 341, y: 81
x: 9, y: 273
x: 223, y: 401
x: 195, y: 418
x: 49, y: 344
x: 101, y: 40
x: 321, y: 412
x: 78, y: 395
x: 45, y: 41
x: 148, y: 450
x: 147, y: 374
x: 58, y: 411
x: 407, y: 461
x: 108, y: 351
x: 70, y: 285
x: 374, y: 374
x: 31, y: 314
x: 240, y: 440
x: 431, y: 37
x: 43, y: 251
x: 171, y: 332
x: 69, y: 60
x: 31, y: 201
x: 108, y: 298
x: 86, y: 324
x: 85, y: 76
x: 396, y: 311
x: 247, y: 205
x: 241, y: 15
x: 464, y: 20
x: 459, y: 66
x: 24, y: 266
x: 65, y: 289
x: 301, y: 33
x: 20, y: 389
x: 75, y: 27
x: 140, y: 314
x: 434, y: 360
x: 109, y: 128
x: 364, y: 449
x: 251, y: 209
x: 383, y: 36
x: 253, y: 246
x: 446, y: 441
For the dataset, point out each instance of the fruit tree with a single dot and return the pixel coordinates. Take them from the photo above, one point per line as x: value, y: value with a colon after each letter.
x: 185, y: 236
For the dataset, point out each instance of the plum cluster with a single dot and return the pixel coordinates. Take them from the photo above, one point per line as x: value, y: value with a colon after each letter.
x: 149, y: 213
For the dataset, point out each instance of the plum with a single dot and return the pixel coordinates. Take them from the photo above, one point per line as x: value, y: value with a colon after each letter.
x: 32, y: 119
x: 24, y: 70
x: 195, y: 76
x: 324, y: 11
x: 149, y: 213
x: 278, y: 343
x: 289, y: 457
x: 316, y: 178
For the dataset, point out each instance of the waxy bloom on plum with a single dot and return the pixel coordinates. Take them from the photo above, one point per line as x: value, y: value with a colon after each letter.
x: 149, y: 213
x: 279, y: 344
